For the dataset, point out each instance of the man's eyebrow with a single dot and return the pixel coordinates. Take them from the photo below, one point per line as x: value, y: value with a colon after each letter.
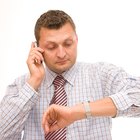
x: 66, y: 39
x: 70, y: 38
x: 47, y: 42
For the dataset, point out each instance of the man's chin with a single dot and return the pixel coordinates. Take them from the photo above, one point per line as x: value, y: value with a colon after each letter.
x: 62, y: 69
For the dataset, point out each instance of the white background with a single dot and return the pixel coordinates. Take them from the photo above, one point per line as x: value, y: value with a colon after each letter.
x: 108, y: 30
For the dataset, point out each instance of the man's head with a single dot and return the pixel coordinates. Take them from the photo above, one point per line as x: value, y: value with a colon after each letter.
x: 55, y: 33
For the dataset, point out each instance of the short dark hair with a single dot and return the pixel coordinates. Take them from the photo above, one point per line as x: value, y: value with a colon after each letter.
x: 52, y: 19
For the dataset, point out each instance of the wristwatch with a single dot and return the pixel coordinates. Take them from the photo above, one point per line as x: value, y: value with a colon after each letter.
x: 87, y: 109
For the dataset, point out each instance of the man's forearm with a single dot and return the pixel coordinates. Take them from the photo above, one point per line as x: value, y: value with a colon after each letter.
x: 102, y: 107
x: 14, y: 111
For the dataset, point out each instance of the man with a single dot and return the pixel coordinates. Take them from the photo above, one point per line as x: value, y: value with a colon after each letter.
x: 52, y: 63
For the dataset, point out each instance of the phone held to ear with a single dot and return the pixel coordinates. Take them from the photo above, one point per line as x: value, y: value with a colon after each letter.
x: 35, y: 43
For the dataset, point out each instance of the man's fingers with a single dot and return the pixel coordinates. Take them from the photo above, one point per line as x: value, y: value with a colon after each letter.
x: 36, y: 54
x: 48, y: 119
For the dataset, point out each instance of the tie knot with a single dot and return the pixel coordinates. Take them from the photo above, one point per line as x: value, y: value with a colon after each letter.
x: 59, y: 81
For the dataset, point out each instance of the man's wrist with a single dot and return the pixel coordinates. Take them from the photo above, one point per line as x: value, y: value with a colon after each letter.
x: 78, y: 112
x: 34, y: 83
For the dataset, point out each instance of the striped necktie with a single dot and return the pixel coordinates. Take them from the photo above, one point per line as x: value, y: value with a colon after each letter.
x: 60, y: 98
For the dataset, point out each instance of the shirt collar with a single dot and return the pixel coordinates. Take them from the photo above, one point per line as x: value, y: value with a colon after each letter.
x: 69, y: 75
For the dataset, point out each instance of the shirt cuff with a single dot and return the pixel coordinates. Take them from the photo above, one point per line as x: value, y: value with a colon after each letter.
x: 121, y: 101
x: 28, y: 93
x: 32, y: 88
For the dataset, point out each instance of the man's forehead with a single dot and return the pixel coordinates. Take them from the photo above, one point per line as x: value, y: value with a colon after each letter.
x: 57, y: 35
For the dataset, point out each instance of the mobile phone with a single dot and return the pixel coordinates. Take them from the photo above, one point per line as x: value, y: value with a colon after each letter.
x: 36, y: 44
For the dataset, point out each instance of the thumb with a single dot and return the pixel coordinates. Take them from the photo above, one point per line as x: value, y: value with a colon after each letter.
x: 54, y: 127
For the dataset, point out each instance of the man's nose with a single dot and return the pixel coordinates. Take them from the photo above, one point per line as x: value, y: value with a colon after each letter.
x: 61, y: 52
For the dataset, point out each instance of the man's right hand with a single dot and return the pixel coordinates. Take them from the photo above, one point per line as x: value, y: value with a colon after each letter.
x: 35, y: 65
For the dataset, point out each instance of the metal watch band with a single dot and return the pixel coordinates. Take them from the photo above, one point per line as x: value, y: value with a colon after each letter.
x: 87, y: 109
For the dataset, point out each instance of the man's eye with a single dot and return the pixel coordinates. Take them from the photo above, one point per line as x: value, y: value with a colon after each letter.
x: 68, y: 44
x: 51, y: 47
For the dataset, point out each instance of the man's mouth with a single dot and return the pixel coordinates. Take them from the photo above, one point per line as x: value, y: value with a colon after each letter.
x: 61, y: 62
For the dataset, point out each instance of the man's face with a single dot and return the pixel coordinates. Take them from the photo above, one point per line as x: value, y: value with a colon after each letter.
x: 60, y: 47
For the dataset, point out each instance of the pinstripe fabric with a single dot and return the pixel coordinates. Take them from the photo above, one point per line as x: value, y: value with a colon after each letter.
x: 60, y: 98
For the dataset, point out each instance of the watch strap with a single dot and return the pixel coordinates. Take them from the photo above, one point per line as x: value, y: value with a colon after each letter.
x: 87, y: 109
